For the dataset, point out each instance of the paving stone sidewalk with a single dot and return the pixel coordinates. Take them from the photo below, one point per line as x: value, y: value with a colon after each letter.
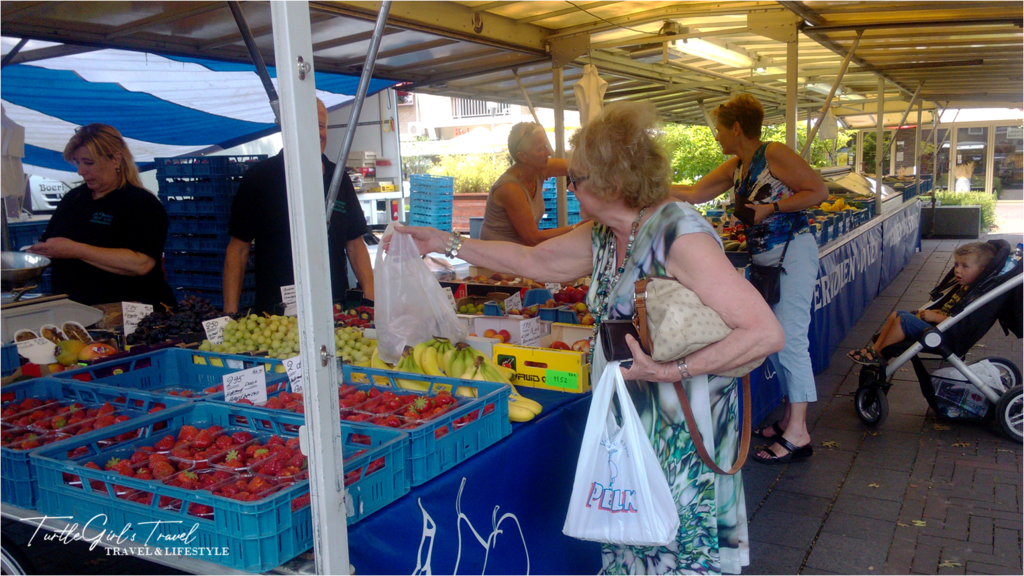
x: 915, y: 495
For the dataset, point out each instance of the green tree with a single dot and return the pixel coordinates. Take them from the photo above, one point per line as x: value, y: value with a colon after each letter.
x: 695, y: 152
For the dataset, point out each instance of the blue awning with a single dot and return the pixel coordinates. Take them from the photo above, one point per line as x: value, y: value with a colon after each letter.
x: 163, y: 106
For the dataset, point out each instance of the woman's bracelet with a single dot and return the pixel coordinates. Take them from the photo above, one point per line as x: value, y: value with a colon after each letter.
x: 451, y: 248
x: 684, y: 370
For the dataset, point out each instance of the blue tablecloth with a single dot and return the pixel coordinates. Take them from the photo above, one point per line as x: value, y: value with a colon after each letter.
x: 500, y: 512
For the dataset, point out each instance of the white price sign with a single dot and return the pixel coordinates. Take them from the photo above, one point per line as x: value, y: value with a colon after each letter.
x: 235, y: 364
x: 451, y: 298
x: 37, y: 350
x: 215, y: 329
x: 293, y: 366
x: 530, y: 332
x: 248, y: 384
x: 553, y: 286
x: 133, y: 313
x: 289, y: 300
x: 513, y: 302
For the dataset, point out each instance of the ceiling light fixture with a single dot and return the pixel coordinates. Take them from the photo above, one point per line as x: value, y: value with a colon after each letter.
x: 714, y: 52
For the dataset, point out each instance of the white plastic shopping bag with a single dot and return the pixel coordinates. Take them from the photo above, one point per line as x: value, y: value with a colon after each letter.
x: 410, y: 305
x: 620, y: 495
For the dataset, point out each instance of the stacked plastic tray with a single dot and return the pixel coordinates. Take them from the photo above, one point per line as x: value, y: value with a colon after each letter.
x: 27, y: 234
x: 550, y: 219
x: 430, y: 200
x: 197, y: 193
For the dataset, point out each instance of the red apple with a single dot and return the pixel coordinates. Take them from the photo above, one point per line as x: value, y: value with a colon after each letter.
x: 505, y: 336
x: 559, y: 345
x: 579, y: 295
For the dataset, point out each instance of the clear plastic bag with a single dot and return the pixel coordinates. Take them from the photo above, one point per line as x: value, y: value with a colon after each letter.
x: 620, y: 495
x: 410, y: 305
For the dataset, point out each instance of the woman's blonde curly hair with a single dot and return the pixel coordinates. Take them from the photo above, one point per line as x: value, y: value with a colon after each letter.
x: 105, y: 141
x: 621, y: 151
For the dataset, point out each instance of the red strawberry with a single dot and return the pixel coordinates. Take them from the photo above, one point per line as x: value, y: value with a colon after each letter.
x: 241, y: 437
x: 203, y: 440
x: 91, y: 466
x: 107, y: 408
x: 139, y: 456
x: 59, y: 422
x: 188, y: 433
x: 162, y: 470
x: 259, y: 454
x: 124, y: 468
x: 157, y: 407
x: 103, y: 421
x: 298, y: 461
x: 188, y: 480
x: 80, y: 451
x: 165, y: 444
x: 122, y: 418
x: 300, y: 502
x: 184, y: 453
x: 201, y: 510
x: 224, y: 442
x: 245, y: 401
x: 112, y: 464
x: 144, y: 474
x: 233, y: 460
x: 287, y: 472
x: 292, y: 443
x: 274, y: 404
x: 275, y: 439
x: 154, y: 458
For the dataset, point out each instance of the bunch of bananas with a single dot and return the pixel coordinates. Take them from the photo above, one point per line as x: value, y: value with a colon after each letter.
x: 438, y: 357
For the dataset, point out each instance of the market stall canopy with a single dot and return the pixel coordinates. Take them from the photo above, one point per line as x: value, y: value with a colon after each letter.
x: 684, y: 57
x: 163, y: 106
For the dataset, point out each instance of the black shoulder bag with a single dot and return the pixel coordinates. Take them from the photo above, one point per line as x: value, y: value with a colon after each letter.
x: 767, y: 279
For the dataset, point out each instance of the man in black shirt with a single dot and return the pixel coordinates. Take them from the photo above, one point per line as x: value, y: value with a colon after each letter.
x: 260, y: 213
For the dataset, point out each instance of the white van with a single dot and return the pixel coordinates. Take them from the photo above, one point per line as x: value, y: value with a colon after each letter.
x: 44, y: 194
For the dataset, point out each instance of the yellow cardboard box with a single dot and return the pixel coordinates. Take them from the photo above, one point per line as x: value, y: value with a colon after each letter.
x: 559, y: 370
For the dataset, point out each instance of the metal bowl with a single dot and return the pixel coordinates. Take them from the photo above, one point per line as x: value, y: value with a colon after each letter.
x: 21, y: 268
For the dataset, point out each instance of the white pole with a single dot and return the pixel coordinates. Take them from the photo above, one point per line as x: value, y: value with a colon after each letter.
x: 559, y: 102
x: 792, y: 53
x: 307, y: 216
x: 879, y: 149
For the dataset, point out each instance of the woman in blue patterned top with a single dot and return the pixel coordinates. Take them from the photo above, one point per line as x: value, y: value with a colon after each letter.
x: 773, y: 186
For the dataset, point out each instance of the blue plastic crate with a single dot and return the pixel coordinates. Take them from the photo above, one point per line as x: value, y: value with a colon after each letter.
x: 18, y: 477
x: 174, y: 368
x: 259, y: 535
x: 26, y: 233
x: 430, y: 181
x: 443, y: 223
x: 470, y: 428
x: 10, y: 360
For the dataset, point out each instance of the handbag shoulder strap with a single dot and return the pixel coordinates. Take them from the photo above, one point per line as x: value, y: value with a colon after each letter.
x: 640, y: 314
x: 698, y: 441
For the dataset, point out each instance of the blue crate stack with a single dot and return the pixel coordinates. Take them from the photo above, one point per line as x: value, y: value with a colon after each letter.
x: 197, y: 192
x: 550, y: 219
x: 430, y: 201
x: 27, y: 234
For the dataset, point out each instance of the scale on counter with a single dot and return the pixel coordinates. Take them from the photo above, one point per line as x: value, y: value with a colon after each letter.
x: 23, y: 309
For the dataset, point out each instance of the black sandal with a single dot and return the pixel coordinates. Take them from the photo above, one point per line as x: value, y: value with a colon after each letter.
x: 759, y: 432
x: 866, y: 357
x: 794, y: 453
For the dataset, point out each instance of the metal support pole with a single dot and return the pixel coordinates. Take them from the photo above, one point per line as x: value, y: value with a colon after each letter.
x: 917, y: 149
x: 913, y: 100
x: 257, y: 59
x: 879, y: 149
x: 812, y: 132
x: 707, y: 117
x: 357, y: 107
x: 935, y: 166
x: 303, y: 170
x: 559, y: 103
x: 529, y: 104
x: 792, y: 53
x: 14, y: 52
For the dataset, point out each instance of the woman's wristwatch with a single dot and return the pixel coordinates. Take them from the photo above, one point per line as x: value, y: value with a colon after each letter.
x: 451, y: 248
x: 684, y: 370
x: 775, y: 206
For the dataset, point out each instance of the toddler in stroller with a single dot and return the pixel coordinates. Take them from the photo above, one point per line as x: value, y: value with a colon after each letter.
x: 983, y: 287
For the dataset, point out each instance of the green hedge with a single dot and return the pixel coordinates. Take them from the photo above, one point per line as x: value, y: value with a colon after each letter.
x: 472, y: 172
x: 985, y: 200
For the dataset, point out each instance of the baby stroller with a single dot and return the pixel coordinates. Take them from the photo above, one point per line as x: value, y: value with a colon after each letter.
x: 997, y: 295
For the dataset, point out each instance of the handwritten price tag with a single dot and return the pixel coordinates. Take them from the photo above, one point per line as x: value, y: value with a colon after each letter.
x: 560, y: 379
x: 294, y: 368
x: 133, y: 313
x: 513, y: 302
x: 553, y: 286
x: 289, y: 300
x: 530, y: 332
x: 37, y: 350
x: 248, y: 384
x: 215, y: 329
x: 451, y: 298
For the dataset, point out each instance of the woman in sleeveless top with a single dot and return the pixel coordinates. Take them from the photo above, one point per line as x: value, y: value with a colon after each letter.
x: 773, y: 186
x: 621, y: 176
x: 515, y: 204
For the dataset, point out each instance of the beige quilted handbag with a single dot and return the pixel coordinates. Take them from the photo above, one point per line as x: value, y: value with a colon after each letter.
x: 673, y: 322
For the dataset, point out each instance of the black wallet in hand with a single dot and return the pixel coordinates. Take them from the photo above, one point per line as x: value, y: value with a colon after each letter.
x: 613, y: 339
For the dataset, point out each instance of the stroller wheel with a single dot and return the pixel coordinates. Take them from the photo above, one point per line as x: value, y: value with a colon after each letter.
x: 1010, y: 414
x: 1009, y: 374
x: 871, y: 404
